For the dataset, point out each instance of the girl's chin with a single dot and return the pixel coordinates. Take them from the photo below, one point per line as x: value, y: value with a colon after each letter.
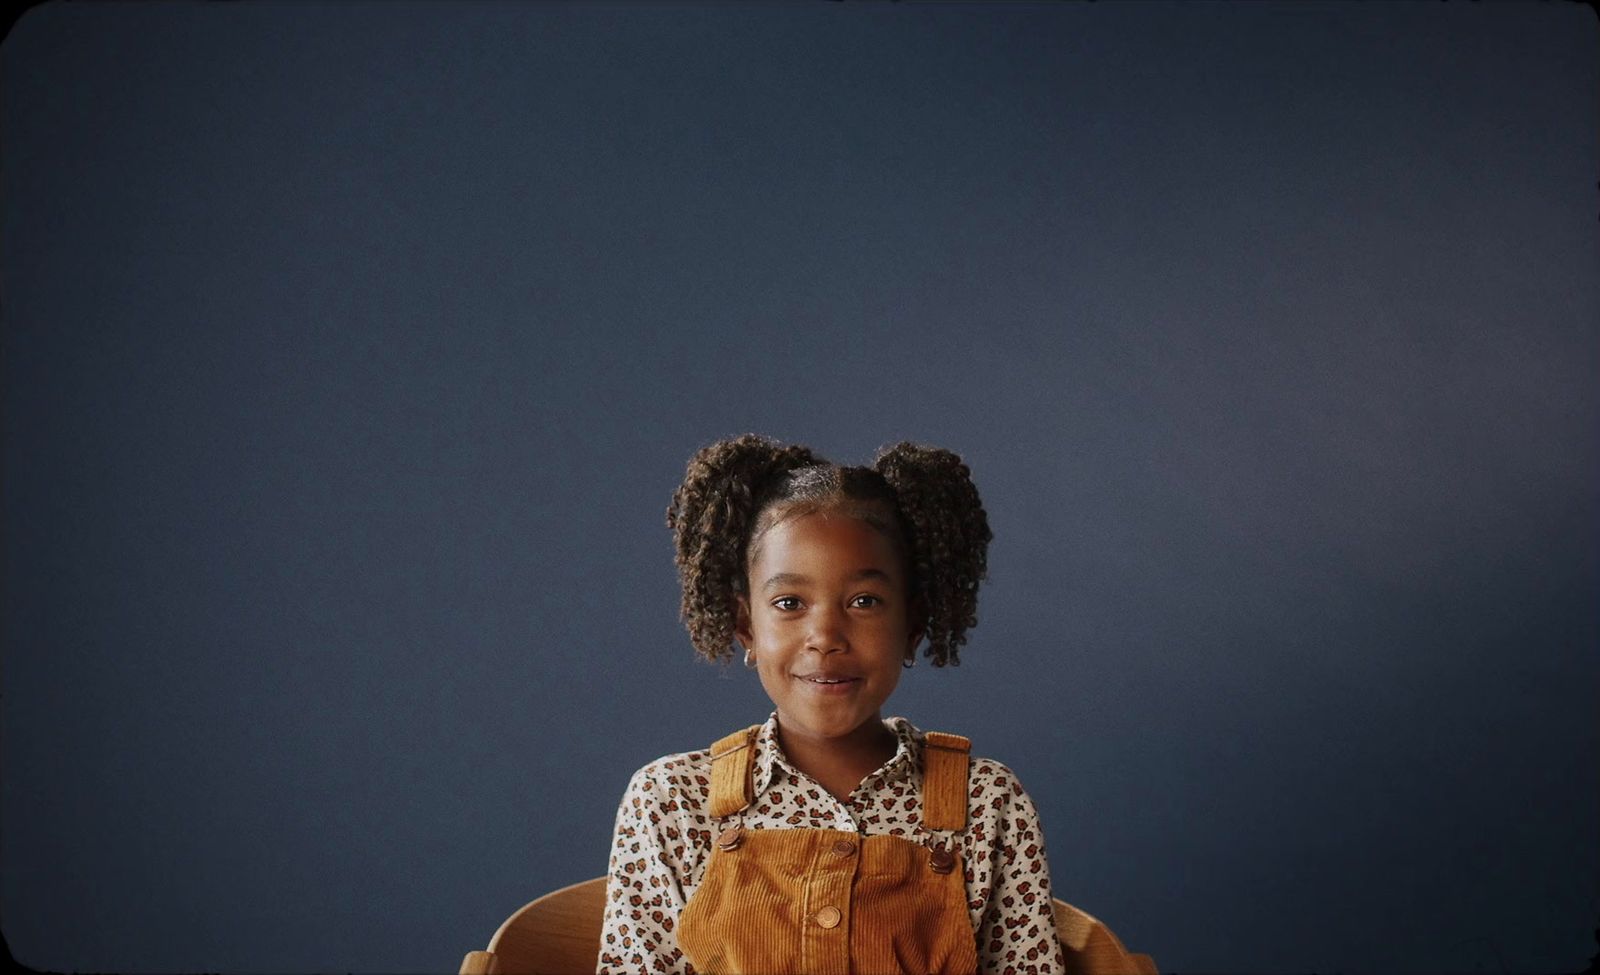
x: 797, y: 721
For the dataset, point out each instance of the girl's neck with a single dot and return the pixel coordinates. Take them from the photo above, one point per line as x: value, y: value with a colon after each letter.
x: 839, y: 764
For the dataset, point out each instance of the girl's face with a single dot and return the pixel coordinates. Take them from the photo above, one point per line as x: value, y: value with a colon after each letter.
x: 827, y: 617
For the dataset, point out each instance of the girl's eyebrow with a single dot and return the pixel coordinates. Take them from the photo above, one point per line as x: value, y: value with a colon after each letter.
x: 796, y: 579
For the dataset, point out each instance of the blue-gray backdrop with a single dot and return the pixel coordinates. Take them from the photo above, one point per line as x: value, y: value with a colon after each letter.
x: 352, y: 352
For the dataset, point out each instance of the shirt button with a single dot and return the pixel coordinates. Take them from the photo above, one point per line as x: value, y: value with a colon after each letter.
x: 828, y: 917
x: 844, y: 848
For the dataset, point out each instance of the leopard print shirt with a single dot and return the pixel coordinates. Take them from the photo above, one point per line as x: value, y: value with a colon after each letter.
x: 664, y: 834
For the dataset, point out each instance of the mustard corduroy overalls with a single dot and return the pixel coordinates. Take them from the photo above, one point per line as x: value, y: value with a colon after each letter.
x: 830, y: 902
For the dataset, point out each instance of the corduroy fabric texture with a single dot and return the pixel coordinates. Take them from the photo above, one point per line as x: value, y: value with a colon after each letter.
x: 733, y: 764
x: 824, y: 901
x: 945, y: 762
x: 827, y: 902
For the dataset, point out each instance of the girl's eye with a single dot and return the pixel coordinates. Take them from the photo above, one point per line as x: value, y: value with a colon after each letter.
x: 786, y: 603
x: 865, y: 601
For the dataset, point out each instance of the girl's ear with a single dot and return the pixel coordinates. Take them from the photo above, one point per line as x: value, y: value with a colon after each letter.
x: 912, y: 642
x: 741, y: 620
x: 918, y: 625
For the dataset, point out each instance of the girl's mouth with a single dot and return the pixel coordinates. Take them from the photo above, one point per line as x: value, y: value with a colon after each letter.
x: 826, y: 683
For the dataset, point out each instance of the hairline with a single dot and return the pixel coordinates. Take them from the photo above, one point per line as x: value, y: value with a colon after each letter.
x: 868, y: 511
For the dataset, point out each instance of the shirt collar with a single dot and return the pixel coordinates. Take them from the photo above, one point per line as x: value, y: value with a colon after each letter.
x: 905, y: 760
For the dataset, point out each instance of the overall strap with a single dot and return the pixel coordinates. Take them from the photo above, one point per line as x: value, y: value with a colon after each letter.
x: 945, y: 760
x: 733, y: 766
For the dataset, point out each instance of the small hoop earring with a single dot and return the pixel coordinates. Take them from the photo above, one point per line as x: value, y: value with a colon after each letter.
x: 909, y: 662
x: 750, y: 659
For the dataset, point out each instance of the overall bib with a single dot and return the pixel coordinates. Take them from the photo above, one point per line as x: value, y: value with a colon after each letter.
x: 830, y: 902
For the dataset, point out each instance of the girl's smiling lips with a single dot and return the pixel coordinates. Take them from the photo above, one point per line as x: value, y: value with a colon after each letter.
x: 829, y: 682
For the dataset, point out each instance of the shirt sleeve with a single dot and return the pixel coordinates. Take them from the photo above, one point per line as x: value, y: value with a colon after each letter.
x: 1016, y: 929
x: 644, y: 893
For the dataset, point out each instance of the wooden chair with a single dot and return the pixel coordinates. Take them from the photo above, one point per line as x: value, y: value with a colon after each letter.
x: 1091, y: 949
x: 559, y: 934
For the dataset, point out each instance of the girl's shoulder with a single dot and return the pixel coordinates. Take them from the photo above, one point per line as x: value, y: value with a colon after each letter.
x: 988, y: 779
x: 672, y: 791
x: 679, y: 768
x: 684, y: 776
x: 988, y: 769
x: 998, y: 807
x: 996, y: 780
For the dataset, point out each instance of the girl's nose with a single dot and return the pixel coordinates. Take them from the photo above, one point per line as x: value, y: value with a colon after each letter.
x: 827, y: 631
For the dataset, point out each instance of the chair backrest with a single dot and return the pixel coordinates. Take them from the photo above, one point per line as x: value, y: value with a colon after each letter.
x: 559, y: 934
x: 556, y: 934
x: 1090, y: 948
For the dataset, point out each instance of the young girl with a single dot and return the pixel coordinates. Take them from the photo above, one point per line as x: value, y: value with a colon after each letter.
x: 828, y: 839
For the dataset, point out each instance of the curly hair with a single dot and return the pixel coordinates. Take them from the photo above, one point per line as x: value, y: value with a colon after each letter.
x: 921, y: 497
